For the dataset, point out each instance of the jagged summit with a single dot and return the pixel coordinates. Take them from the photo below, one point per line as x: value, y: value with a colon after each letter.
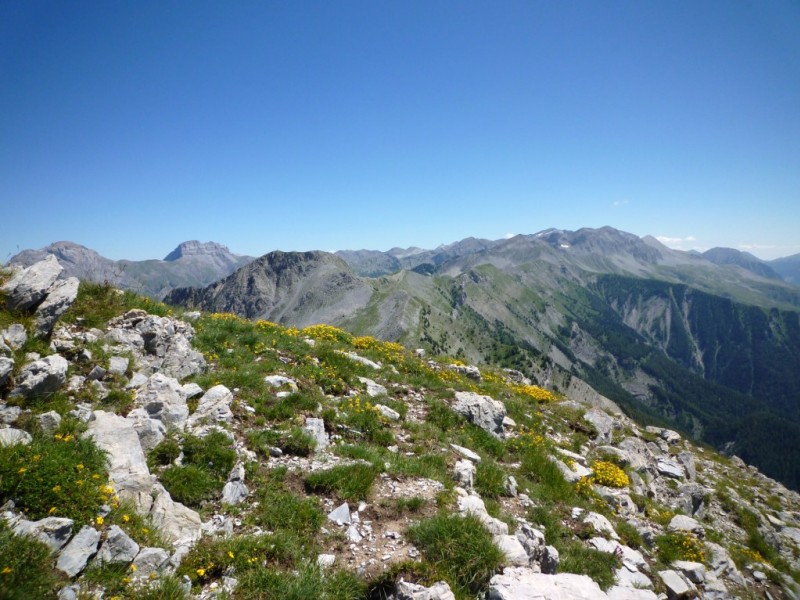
x: 195, y: 248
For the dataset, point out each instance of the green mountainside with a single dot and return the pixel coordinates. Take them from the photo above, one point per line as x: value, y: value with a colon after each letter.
x: 151, y: 453
x: 673, y: 338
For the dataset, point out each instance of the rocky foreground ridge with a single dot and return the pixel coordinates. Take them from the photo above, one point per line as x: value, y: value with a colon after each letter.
x: 144, y: 454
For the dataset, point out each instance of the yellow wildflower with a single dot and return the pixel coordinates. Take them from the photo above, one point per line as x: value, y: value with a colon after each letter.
x: 201, y: 572
x: 99, y: 520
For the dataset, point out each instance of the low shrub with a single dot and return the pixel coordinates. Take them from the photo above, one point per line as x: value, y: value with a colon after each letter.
x: 189, y: 484
x: 575, y: 557
x: 349, y: 482
x: 490, y: 479
x: 459, y: 550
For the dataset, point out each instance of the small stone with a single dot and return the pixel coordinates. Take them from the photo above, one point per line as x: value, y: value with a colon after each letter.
x: 49, y: 421
x: 340, y: 515
x: 118, y: 365
x: 466, y: 453
x: 325, y: 561
x: 12, y: 437
x: 74, y: 556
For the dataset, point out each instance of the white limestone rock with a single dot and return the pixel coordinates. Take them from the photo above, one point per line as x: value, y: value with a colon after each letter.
x: 464, y: 473
x: 214, y: 407
x: 513, y: 550
x: 179, y: 523
x: 60, y: 297
x: 76, y: 554
x: 466, y: 453
x: 41, y: 377
x: 118, y: 547
x: 316, y: 429
x: 521, y: 583
x: 677, y: 586
x: 12, y: 437
x: 53, y: 531
x: 14, y: 336
x: 373, y: 389
x: 413, y: 591
x: 29, y: 286
x: 483, y: 411
x: 163, y: 399
x: 6, y: 367
x: 127, y: 465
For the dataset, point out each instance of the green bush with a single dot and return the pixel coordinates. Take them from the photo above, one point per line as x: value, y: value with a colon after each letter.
x: 59, y: 475
x: 349, y: 482
x: 213, y: 453
x: 490, y: 479
x: 164, y: 453
x: 600, y: 566
x: 288, y: 407
x: 26, y: 567
x: 189, y: 484
x: 459, y: 550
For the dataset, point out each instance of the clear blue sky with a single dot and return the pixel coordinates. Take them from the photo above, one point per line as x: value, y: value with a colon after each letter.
x: 132, y: 126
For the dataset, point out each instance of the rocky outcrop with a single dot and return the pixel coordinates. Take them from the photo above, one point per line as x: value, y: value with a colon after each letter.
x: 160, y: 344
x: 41, y: 377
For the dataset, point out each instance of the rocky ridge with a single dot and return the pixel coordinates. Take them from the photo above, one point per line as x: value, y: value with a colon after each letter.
x: 556, y: 483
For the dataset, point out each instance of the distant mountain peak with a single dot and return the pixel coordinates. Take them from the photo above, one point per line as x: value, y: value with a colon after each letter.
x: 196, y: 248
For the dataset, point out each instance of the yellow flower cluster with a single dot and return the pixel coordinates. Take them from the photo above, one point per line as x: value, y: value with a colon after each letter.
x: 609, y: 474
x: 533, y: 392
x: 691, y: 548
x: 585, y: 487
x: 226, y: 317
x: 753, y: 555
x: 355, y: 406
x: 64, y: 438
x: 327, y: 333
x: 390, y: 351
x: 525, y: 441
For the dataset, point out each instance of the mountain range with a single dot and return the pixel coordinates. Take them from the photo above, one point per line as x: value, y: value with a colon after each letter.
x: 706, y: 343
x: 191, y: 263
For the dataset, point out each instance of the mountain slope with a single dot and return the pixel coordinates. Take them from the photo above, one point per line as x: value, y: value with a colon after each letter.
x: 299, y: 288
x: 729, y: 256
x: 191, y: 264
x: 788, y: 268
x: 672, y: 337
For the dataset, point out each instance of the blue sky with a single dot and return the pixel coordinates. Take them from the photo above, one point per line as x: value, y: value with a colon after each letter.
x: 132, y: 126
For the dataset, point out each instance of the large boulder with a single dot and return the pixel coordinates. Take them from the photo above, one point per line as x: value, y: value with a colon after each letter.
x: 180, y: 524
x: 483, y: 411
x: 41, y: 377
x: 59, y: 298
x: 28, y: 287
x: 127, y: 464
